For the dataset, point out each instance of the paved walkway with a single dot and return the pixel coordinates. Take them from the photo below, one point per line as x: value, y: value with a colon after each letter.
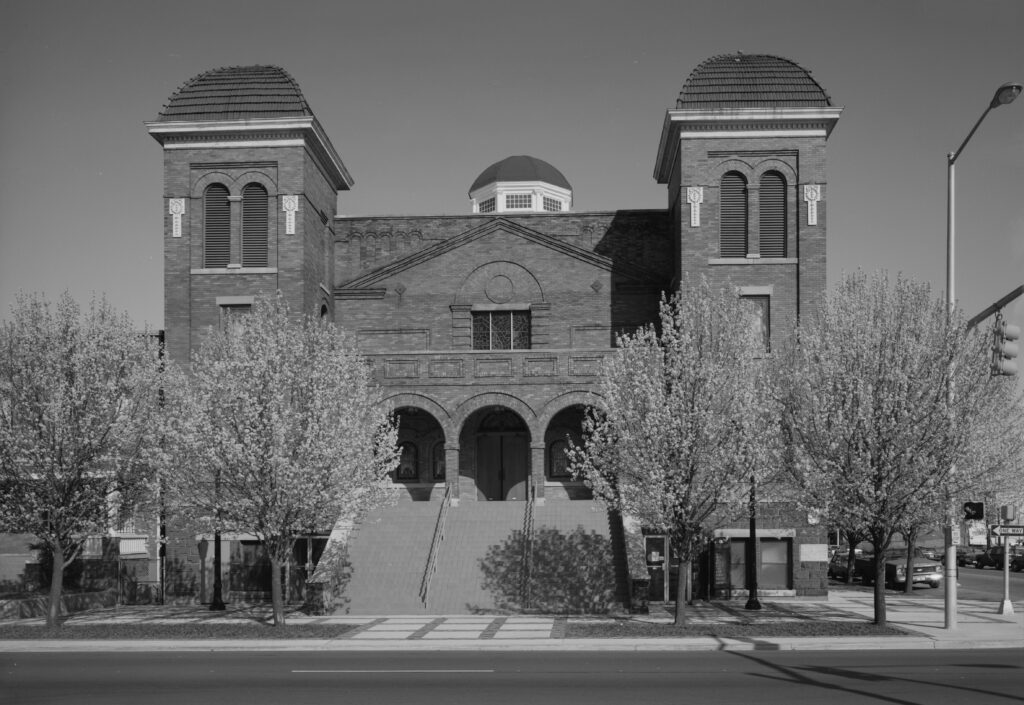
x: 979, y: 626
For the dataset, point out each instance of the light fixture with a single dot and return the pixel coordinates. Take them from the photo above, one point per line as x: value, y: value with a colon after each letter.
x: 1005, y: 94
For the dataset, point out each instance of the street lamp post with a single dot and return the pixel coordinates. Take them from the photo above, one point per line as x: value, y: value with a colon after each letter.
x: 752, y: 602
x: 1004, y: 95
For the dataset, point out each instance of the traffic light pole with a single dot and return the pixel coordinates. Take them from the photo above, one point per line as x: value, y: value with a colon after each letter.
x: 996, y: 307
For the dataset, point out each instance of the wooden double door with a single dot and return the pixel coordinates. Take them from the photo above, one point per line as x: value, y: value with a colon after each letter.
x: 502, y: 466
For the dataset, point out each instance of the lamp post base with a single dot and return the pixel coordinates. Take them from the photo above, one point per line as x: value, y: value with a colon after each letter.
x: 1005, y: 607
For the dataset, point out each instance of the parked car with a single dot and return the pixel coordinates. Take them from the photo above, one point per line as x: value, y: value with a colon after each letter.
x: 967, y: 555
x: 838, y: 567
x: 1017, y: 562
x: 993, y: 558
x: 925, y: 570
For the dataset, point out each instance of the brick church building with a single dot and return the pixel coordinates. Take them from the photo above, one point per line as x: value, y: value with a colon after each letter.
x: 486, y: 330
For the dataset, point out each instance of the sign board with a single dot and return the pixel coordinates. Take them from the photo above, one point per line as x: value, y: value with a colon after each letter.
x: 1007, y: 530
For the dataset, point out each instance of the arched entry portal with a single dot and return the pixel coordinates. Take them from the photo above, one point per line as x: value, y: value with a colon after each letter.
x: 501, y: 441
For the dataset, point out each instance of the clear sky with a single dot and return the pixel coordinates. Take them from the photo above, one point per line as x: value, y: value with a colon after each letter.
x: 420, y: 97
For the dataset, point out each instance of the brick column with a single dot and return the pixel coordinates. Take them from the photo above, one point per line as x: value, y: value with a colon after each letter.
x: 451, y: 469
x: 537, y: 471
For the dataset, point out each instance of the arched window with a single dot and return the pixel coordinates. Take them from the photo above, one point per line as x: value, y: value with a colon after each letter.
x: 216, y: 226
x: 773, y: 215
x: 437, y: 462
x: 733, y: 220
x: 254, y: 226
x: 408, y: 465
x: 323, y: 311
x: 558, y: 461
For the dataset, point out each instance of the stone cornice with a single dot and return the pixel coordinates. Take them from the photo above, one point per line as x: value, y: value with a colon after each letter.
x: 738, y: 122
x: 268, y: 131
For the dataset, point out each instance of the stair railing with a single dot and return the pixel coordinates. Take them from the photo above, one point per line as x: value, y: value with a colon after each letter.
x: 435, y: 545
x: 525, y: 586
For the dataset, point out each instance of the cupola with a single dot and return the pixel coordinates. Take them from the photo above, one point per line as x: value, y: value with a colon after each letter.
x: 521, y: 184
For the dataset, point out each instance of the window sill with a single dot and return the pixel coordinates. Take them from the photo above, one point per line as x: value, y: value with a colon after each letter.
x: 234, y: 270
x: 752, y: 260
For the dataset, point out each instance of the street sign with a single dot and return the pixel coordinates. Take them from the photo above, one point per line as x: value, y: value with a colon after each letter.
x: 1006, y: 530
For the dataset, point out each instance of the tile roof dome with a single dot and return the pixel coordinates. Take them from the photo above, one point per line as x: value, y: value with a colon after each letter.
x: 237, y: 93
x: 520, y: 168
x: 750, y: 81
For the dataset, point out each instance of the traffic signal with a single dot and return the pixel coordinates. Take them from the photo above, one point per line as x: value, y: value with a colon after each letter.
x: 1004, y: 349
x: 974, y: 510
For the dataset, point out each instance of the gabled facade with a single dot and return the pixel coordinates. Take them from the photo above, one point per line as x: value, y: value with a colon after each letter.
x: 487, y: 331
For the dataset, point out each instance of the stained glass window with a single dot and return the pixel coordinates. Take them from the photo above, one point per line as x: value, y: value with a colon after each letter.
x: 558, y: 462
x: 501, y: 330
x: 407, y: 462
x: 438, y: 469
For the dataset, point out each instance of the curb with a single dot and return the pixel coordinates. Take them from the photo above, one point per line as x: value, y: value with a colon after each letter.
x: 885, y: 643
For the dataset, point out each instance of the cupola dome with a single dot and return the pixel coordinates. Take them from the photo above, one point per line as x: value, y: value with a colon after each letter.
x: 521, y: 184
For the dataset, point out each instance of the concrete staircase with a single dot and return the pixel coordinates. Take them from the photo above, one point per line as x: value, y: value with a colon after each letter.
x: 572, y: 560
x: 388, y: 553
x: 473, y: 529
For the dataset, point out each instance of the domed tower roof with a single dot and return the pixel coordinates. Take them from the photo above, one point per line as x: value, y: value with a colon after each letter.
x: 751, y: 81
x: 236, y: 93
x: 245, y: 106
x: 521, y: 184
x: 520, y: 168
x: 745, y: 96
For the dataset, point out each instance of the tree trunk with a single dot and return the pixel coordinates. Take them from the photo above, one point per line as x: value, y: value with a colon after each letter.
x: 681, y: 591
x: 851, y: 564
x: 276, y: 596
x: 56, y: 586
x: 880, y: 588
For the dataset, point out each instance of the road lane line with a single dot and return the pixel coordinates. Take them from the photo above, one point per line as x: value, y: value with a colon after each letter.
x: 392, y: 670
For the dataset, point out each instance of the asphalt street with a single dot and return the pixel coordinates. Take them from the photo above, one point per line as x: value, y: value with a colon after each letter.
x: 495, y: 678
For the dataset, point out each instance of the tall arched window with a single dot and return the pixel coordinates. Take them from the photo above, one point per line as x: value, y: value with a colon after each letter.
x: 558, y: 461
x: 773, y: 215
x: 733, y: 220
x: 408, y: 462
x: 437, y: 462
x: 216, y: 226
x: 254, y: 226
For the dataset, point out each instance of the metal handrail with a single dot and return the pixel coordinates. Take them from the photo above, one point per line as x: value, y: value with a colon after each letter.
x: 435, y: 544
x: 527, y: 560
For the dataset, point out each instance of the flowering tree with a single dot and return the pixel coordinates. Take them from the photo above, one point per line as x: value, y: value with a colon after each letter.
x: 79, y: 423
x: 685, y: 426
x: 283, y: 432
x: 885, y: 394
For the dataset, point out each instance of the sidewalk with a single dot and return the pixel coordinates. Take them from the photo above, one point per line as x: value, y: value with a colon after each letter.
x: 979, y: 626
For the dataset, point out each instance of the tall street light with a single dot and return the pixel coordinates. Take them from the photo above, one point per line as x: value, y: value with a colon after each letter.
x: 1005, y: 94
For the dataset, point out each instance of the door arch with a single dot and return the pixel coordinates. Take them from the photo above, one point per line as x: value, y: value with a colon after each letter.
x: 501, y: 441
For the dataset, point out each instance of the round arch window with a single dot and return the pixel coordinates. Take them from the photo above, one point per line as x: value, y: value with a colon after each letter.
x: 558, y: 461
x: 407, y: 462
